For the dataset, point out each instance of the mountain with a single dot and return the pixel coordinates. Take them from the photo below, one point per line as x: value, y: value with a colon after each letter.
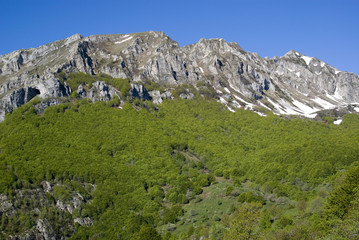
x: 92, y: 150
x: 291, y: 84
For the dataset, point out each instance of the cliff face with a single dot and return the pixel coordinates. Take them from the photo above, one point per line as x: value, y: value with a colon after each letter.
x: 292, y: 84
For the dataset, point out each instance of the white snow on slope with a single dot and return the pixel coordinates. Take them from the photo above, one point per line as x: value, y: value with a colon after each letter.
x: 299, y: 108
x: 289, y: 108
x: 305, y: 109
x: 307, y: 59
x: 230, y: 109
x: 277, y: 106
x: 337, y: 122
x: 335, y: 97
x: 234, y: 88
x: 356, y: 109
x: 261, y: 114
x: 323, y: 103
x: 124, y: 40
x: 222, y: 100
x: 260, y: 103
x: 248, y: 105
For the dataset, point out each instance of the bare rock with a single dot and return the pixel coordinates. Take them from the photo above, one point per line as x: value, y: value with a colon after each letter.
x: 45, y: 230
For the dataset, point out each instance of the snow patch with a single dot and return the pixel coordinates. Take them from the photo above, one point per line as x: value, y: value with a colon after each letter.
x: 356, y: 109
x: 298, y: 108
x: 288, y: 108
x: 263, y: 105
x: 236, y: 104
x: 230, y: 109
x: 248, y: 105
x: 235, y: 89
x: 227, y: 90
x: 298, y: 74
x: 334, y: 97
x: 124, y: 40
x: 222, y: 100
x: 201, y: 69
x: 323, y: 103
x: 277, y: 106
x: 307, y: 59
x: 337, y: 122
x: 261, y: 114
x: 305, y: 109
x: 322, y: 64
x: 337, y: 71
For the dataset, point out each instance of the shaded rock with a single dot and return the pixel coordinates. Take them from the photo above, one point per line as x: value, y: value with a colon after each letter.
x: 166, y: 95
x: 45, y: 230
x: 188, y: 95
x: 139, y: 91
x: 45, y: 103
x: 6, y: 207
x: 81, y: 92
x: 156, y: 96
x: 46, y: 186
x: 100, y: 91
x: 86, y: 222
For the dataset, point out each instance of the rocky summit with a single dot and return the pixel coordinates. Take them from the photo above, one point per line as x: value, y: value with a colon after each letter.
x: 292, y: 84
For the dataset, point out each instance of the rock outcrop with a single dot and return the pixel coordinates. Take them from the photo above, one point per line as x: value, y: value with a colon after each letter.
x: 292, y: 84
x: 138, y: 91
x: 45, y: 227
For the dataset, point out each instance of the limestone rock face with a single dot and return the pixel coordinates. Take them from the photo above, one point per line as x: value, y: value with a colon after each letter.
x: 45, y: 230
x: 6, y: 207
x: 156, y: 96
x: 84, y: 221
x: 138, y: 91
x: 291, y: 84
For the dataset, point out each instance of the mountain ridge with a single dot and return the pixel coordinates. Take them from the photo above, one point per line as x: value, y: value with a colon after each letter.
x: 291, y: 84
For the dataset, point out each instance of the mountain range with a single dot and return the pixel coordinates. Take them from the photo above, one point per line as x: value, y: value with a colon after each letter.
x: 293, y: 84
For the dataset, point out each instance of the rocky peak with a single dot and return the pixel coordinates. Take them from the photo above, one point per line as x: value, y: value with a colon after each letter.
x: 73, y: 38
x: 291, y: 84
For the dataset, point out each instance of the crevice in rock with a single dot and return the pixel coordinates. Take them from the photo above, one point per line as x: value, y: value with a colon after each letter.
x: 31, y: 93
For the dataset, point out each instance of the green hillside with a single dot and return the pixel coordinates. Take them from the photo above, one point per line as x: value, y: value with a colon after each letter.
x: 184, y: 169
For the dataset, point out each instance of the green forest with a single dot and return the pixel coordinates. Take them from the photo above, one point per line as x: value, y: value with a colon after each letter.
x: 184, y: 169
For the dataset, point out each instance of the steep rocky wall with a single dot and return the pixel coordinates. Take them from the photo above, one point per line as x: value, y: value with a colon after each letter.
x: 274, y: 83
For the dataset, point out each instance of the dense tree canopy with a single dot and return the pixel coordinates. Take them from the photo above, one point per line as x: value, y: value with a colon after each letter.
x: 148, y: 165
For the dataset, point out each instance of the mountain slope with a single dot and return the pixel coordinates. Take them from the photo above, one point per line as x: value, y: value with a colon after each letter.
x: 291, y: 84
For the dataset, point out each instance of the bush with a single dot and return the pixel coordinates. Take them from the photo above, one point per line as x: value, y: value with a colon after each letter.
x: 61, y: 193
x: 284, y: 221
x: 229, y: 190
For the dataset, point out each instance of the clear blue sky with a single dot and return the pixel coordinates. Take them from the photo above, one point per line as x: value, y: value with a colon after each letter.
x: 326, y: 29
